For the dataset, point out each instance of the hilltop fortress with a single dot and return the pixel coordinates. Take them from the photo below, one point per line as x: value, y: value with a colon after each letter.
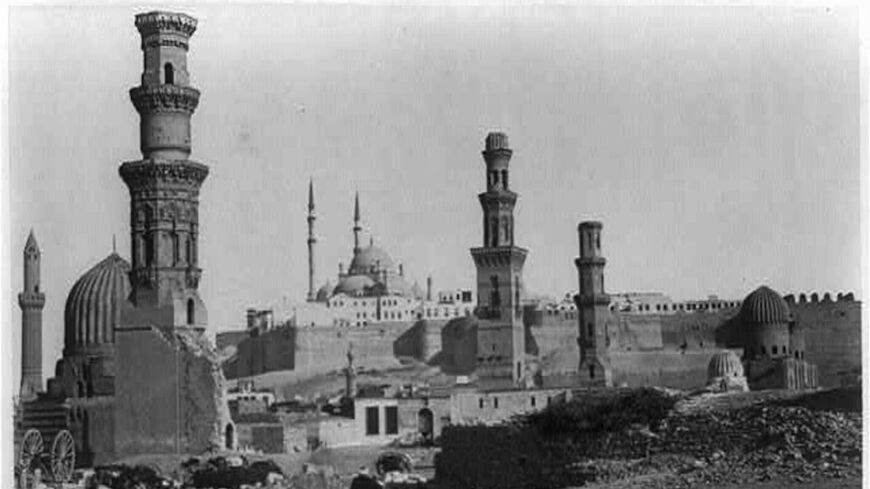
x: 643, y: 338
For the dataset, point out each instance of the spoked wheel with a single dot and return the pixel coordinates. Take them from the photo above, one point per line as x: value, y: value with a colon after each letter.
x: 63, y: 457
x: 31, y: 448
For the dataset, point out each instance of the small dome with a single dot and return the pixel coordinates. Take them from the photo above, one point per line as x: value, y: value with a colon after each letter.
x: 354, y: 285
x: 369, y: 257
x: 765, y: 306
x: 324, y: 292
x: 724, y: 364
x: 93, y: 306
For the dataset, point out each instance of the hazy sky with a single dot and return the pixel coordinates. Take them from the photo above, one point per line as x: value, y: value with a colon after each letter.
x: 719, y: 146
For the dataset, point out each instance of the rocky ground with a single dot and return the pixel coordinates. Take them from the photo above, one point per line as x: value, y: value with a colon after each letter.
x: 757, y: 440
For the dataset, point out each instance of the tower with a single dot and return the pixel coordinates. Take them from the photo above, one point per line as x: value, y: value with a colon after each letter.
x: 312, y: 295
x: 350, y: 375
x: 164, y: 185
x: 168, y: 382
x: 31, y: 300
x: 356, y: 226
x: 592, y: 308
x: 499, y: 263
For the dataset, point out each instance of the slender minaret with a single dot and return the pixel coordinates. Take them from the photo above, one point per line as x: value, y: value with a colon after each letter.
x: 356, y: 226
x: 164, y: 185
x: 499, y: 263
x: 31, y: 300
x: 312, y: 295
x: 592, y: 307
x: 429, y: 288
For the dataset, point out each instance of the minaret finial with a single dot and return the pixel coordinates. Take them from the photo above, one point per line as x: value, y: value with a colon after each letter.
x: 356, y: 227
x: 356, y: 207
x: 310, y: 194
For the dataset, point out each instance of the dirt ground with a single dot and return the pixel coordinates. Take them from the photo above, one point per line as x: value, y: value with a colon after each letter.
x: 644, y: 481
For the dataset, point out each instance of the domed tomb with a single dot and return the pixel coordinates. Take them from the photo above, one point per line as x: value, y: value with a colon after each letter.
x: 93, y: 308
x: 725, y: 373
x: 764, y: 319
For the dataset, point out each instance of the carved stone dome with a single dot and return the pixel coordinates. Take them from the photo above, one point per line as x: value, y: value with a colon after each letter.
x: 765, y: 306
x: 724, y: 364
x: 93, y: 307
x: 371, y: 257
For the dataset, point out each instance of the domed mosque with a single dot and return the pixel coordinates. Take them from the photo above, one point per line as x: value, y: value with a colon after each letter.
x: 372, y: 271
x: 772, y: 345
x: 372, y: 289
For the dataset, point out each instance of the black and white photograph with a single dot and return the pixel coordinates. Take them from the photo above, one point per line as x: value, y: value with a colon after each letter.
x: 434, y: 245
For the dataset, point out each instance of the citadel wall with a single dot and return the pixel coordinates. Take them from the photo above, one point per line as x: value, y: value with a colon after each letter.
x: 832, y: 330
x: 670, y: 350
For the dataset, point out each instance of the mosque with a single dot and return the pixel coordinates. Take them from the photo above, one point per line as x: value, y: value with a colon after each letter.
x: 123, y: 318
x: 372, y: 289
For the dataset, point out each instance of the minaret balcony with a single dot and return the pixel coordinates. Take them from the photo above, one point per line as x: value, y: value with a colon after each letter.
x: 149, y: 99
x: 31, y: 299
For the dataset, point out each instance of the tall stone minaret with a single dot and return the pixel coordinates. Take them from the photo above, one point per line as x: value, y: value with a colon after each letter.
x: 592, y: 308
x: 164, y: 185
x: 501, y: 334
x: 312, y: 295
x: 356, y: 226
x: 31, y: 300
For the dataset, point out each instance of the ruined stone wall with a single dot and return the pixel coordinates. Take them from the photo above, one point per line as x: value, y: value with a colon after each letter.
x: 169, y: 393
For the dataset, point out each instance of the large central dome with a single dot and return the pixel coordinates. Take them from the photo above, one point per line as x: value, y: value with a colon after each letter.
x: 369, y: 258
x: 93, y: 307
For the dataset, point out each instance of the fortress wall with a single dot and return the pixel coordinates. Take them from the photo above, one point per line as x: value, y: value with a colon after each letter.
x: 266, y: 352
x: 699, y: 330
x: 323, y: 349
x: 833, y: 336
x: 664, y: 368
x: 632, y: 332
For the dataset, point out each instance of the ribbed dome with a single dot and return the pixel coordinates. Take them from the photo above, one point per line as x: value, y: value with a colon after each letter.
x: 354, y: 285
x: 93, y: 306
x: 765, y: 306
x: 371, y: 257
x: 724, y: 364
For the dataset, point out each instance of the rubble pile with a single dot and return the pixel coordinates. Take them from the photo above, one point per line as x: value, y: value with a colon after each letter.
x: 757, y: 443
x: 728, y: 440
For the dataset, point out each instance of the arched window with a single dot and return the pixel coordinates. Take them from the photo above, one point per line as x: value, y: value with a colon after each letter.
x: 168, y: 74
x: 592, y: 371
x: 190, y: 311
x: 773, y: 350
x: 504, y: 179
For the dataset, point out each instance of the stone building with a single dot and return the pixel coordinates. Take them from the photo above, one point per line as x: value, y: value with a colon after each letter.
x: 773, y: 349
x: 725, y: 373
x: 592, y: 309
x: 179, y: 406
x: 500, y: 331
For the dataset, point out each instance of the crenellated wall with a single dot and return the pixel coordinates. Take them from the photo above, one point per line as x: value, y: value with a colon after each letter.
x: 831, y: 325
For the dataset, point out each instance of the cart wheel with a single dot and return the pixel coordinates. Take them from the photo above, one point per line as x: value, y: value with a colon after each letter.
x: 31, y: 448
x: 63, y: 457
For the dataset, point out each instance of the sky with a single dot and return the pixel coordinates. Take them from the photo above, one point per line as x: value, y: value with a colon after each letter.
x: 719, y: 146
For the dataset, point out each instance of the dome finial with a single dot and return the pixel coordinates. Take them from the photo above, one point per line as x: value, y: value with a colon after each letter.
x: 371, y: 240
x: 114, y: 246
